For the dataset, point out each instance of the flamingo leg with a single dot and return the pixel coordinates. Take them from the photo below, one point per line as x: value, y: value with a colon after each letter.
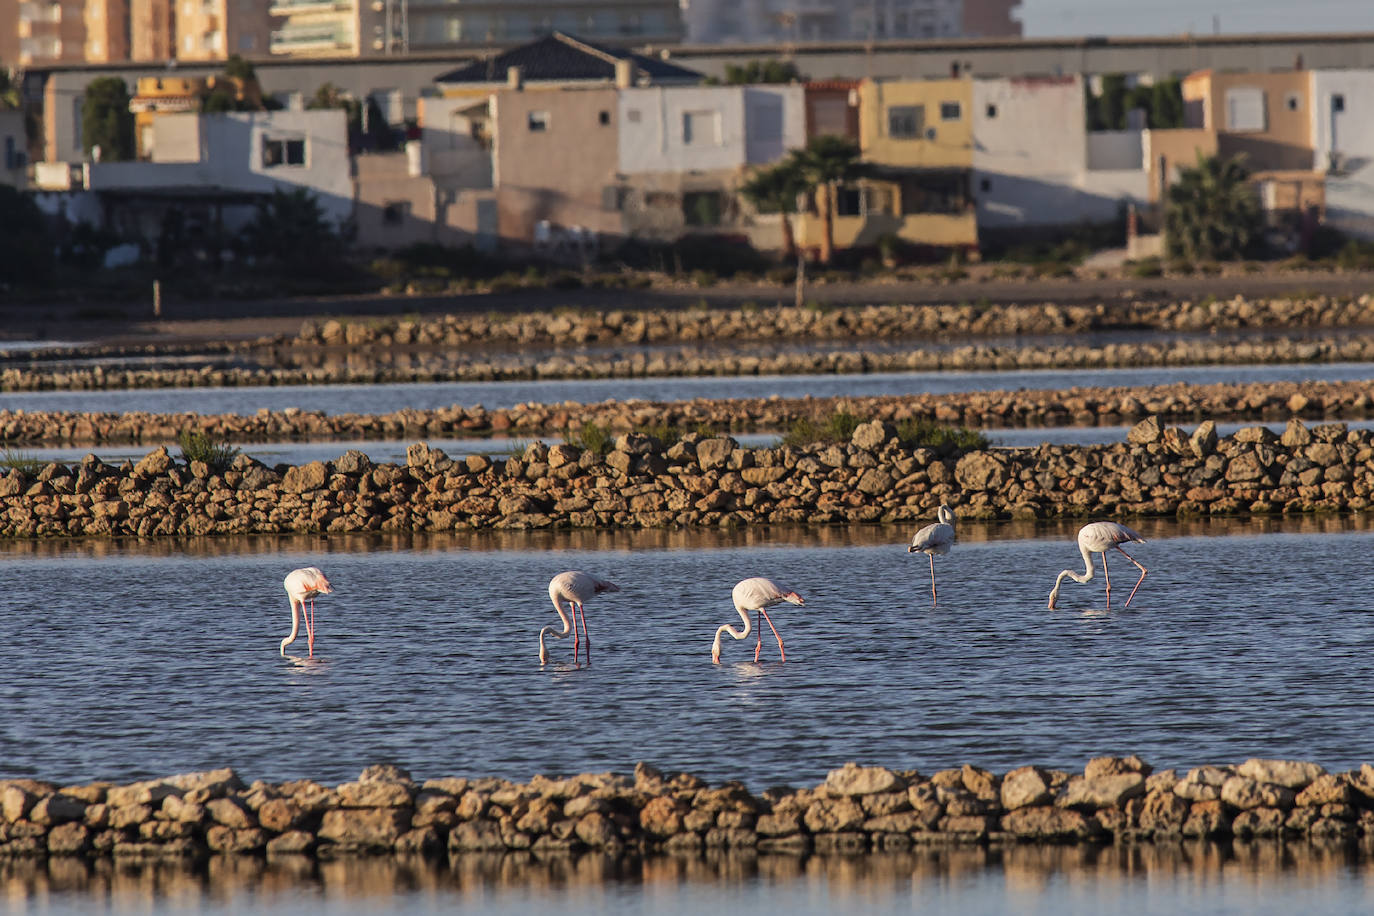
x: 782, y: 654
x: 1108, y: 577
x: 758, y: 629
x: 572, y: 606
x: 1138, y: 581
x: 310, y: 626
x: 585, y: 636
x: 933, y: 598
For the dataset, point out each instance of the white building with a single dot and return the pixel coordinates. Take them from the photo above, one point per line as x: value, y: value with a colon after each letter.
x: 1343, y: 147
x: 1036, y: 164
x: 769, y: 21
x: 708, y: 128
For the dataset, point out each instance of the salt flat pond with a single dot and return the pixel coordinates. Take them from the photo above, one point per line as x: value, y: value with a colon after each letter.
x: 124, y: 661
x: 336, y: 399
x: 1240, y: 878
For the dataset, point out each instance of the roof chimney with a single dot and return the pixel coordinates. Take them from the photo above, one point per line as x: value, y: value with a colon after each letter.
x: 624, y: 73
x: 515, y: 78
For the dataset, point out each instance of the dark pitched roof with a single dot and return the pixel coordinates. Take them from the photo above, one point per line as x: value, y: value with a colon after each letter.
x: 561, y: 57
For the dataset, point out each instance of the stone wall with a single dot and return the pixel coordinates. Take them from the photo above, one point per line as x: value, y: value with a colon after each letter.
x: 856, y: 809
x: 982, y: 409
x: 704, y: 482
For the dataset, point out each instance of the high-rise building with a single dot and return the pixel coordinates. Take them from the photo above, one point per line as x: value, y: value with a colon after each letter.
x: 215, y: 29
x: 769, y: 21
x: 366, y: 28
x: 152, y: 30
x: 51, y: 31
x: 107, y: 31
x: 9, y: 33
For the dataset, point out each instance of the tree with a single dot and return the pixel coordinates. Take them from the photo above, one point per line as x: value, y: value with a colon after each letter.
x: 771, y: 71
x: 289, y: 228
x: 775, y: 189
x: 26, y: 251
x: 1211, y: 213
x: 827, y: 161
x: 1166, y: 105
x: 106, y: 120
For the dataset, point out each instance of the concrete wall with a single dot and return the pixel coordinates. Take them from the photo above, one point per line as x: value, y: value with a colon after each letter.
x: 1173, y: 149
x: 1284, y: 141
x: 655, y: 134
x: 943, y: 143
x: 1115, y: 150
x: 457, y: 141
x: 1350, y: 134
x: 774, y: 122
x: 558, y: 174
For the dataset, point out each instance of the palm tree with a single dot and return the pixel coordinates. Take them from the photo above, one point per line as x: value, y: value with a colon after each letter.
x: 775, y: 188
x: 1211, y: 213
x: 826, y: 162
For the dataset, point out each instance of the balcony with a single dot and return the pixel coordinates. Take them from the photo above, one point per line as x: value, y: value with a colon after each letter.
x: 299, y: 7
x: 311, y: 38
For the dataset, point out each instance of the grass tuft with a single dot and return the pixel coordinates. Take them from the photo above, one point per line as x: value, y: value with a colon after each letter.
x: 197, y: 446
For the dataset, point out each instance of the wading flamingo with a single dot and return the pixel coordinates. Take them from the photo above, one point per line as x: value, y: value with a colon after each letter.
x: 933, y: 539
x: 303, y: 585
x: 754, y: 595
x: 575, y: 588
x: 1100, y: 537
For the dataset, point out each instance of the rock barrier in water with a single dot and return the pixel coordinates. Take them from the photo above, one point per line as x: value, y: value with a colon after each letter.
x: 461, y: 347
x: 856, y: 809
x: 704, y: 481
x: 1177, y: 403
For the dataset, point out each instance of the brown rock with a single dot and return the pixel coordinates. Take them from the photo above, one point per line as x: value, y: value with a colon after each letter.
x: 1047, y: 822
x: 662, y: 816
x: 293, y: 842
x: 476, y: 836
x: 852, y: 779
x: 1115, y: 766
x: 1293, y: 774
x: 1327, y: 789
x: 230, y: 812
x: 1241, y: 792
x: 1258, y: 822
x: 1102, y: 792
x: 364, y: 828
x: 1025, y: 787
x: 227, y: 839
x: 980, y: 471
x: 832, y: 815
x: 1163, y: 813
x: 69, y: 839
x: 1206, y: 819
x: 374, y: 794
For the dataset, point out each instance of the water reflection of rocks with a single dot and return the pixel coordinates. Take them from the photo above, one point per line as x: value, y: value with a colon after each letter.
x: 256, y: 881
x: 600, y: 540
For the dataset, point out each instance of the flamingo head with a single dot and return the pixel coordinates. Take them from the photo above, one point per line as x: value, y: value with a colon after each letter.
x: 606, y: 587
x: 715, y: 651
x: 794, y: 598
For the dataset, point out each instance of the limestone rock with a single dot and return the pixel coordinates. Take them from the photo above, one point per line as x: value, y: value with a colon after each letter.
x: 1294, y: 774
x: 1102, y: 792
x: 1242, y: 792
x: 364, y: 828
x: 980, y: 471
x: 1025, y: 787
x: 852, y: 779
x: 1045, y: 822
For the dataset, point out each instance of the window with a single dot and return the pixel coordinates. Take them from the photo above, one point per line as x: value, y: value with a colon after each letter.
x: 538, y: 121
x: 905, y: 122
x: 700, y: 128
x: 991, y: 111
x: 935, y: 193
x: 1292, y: 101
x: 1338, y: 102
x: 394, y: 212
x: 701, y: 208
x: 632, y: 115
x: 985, y: 184
x: 603, y: 118
x: 279, y: 151
x: 862, y: 201
x: 951, y: 111
x: 1245, y: 109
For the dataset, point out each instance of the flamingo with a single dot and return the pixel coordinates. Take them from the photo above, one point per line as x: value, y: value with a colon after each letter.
x: 303, y: 585
x: 1100, y: 537
x: 755, y: 594
x: 575, y: 588
x: 933, y: 539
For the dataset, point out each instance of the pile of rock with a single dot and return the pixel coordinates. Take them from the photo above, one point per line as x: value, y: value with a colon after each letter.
x: 703, y: 481
x: 856, y: 809
x: 982, y: 409
x: 564, y: 326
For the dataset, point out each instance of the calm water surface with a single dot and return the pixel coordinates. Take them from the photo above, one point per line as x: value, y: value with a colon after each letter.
x: 335, y: 399
x: 119, y: 663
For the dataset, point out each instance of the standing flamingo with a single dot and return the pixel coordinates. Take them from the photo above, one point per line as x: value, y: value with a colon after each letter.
x: 303, y: 585
x: 1100, y: 537
x: 755, y: 594
x: 575, y: 588
x: 933, y: 539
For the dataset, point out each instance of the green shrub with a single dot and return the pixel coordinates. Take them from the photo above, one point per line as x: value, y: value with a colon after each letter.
x: 838, y: 427
x: 197, y: 446
x: 592, y: 436
x: 1145, y: 267
x: 28, y: 464
x: 923, y: 433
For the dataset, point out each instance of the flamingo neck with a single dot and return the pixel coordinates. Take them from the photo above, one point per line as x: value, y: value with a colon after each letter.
x: 737, y: 634
x: 295, y: 626
x: 561, y: 634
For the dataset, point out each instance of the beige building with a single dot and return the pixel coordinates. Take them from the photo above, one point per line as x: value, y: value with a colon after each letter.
x: 107, y: 31
x: 152, y: 30
x: 208, y: 30
x: 51, y: 32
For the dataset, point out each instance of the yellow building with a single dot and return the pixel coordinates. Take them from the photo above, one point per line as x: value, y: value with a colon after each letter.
x: 916, y: 141
x: 157, y: 95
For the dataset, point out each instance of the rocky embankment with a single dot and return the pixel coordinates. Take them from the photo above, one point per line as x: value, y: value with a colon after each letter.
x: 697, y: 481
x: 561, y: 344
x: 856, y: 809
x: 1179, y: 403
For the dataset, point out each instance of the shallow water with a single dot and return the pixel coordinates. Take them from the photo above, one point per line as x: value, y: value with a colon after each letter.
x: 1239, y: 878
x: 335, y: 399
x: 124, y: 663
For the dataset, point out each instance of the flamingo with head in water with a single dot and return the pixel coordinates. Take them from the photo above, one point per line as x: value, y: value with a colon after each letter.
x: 303, y: 585
x: 933, y: 539
x: 575, y: 588
x: 755, y: 594
x: 1100, y: 537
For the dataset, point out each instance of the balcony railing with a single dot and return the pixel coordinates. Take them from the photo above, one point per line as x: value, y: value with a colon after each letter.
x: 313, y: 38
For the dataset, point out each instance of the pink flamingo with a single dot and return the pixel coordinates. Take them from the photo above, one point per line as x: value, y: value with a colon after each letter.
x: 933, y: 539
x: 303, y: 585
x: 755, y: 594
x: 575, y: 588
x: 1100, y: 537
